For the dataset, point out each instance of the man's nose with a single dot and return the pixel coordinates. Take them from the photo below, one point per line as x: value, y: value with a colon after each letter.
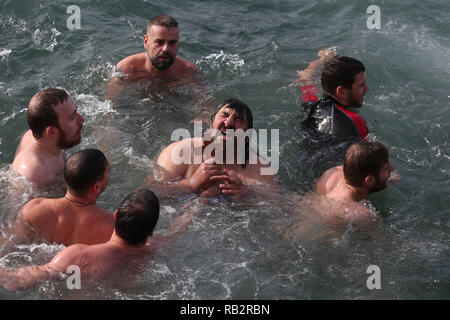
x: 80, y: 119
x: 229, y: 121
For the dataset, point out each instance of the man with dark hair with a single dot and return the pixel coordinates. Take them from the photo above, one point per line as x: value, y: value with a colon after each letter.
x: 75, y: 218
x: 54, y: 125
x: 135, y: 221
x: 336, y: 205
x: 160, y: 61
x: 208, y: 165
x: 344, y: 86
x: 366, y: 170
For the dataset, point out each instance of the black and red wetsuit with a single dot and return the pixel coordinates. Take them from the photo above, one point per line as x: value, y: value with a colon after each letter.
x: 328, y: 117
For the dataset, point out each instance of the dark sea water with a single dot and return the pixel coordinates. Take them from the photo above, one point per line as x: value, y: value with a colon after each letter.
x: 249, y: 50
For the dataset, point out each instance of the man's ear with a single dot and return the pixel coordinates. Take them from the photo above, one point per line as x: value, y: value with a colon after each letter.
x: 145, y: 41
x: 341, y: 93
x: 115, y: 214
x: 369, y: 181
x: 50, y: 131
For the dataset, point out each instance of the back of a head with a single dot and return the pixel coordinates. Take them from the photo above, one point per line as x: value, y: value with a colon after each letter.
x: 363, y: 159
x: 241, y: 108
x: 340, y: 71
x: 40, y: 110
x: 162, y: 21
x: 137, y: 216
x: 83, y: 169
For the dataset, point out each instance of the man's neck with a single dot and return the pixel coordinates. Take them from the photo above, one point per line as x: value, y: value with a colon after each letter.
x: 156, y: 72
x: 341, y: 102
x: 88, y: 200
x: 121, y: 243
x: 348, y: 193
x: 48, y: 147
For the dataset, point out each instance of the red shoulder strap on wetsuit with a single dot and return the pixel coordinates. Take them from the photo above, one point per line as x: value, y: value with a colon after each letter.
x: 358, y: 121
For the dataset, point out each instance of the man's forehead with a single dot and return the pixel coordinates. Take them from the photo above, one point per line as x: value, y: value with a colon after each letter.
x: 65, y: 109
x: 156, y: 31
x: 361, y: 77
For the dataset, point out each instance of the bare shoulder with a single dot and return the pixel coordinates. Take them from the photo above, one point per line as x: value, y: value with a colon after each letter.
x: 69, y: 256
x: 188, y: 69
x: 26, y: 139
x: 175, y: 159
x: 132, y: 64
x: 34, y: 208
x: 30, y: 164
x: 329, y: 179
x: 178, y: 149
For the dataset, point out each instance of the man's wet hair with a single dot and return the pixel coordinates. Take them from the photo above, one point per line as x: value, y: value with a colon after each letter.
x: 137, y: 216
x: 363, y: 159
x: 340, y: 71
x: 83, y: 169
x: 41, y: 113
x: 162, y: 20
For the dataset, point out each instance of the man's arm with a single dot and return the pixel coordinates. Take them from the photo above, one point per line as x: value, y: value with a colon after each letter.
x: 174, y: 162
x: 307, y: 76
x: 27, y: 277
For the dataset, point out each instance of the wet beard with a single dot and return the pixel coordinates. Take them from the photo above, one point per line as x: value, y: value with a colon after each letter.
x: 63, y: 143
x: 378, y: 186
x: 162, y: 64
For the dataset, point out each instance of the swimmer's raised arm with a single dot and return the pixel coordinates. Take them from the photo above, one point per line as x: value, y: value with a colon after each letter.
x: 308, y: 74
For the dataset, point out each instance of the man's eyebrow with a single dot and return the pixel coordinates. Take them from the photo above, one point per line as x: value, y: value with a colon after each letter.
x: 74, y: 112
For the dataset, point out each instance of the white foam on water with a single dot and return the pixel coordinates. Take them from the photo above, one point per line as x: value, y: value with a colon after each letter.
x: 4, y: 53
x: 45, y: 39
x: 232, y: 62
x: 91, y: 106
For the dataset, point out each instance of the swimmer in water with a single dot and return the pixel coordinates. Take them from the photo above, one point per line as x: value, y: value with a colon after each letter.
x: 159, y: 63
x: 366, y: 170
x: 214, y: 174
x: 74, y: 218
x: 128, y: 247
x: 344, y: 85
x: 55, y: 125
x: 336, y: 203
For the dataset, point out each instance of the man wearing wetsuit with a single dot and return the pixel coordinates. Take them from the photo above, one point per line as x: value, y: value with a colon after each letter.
x: 330, y: 126
x: 344, y: 86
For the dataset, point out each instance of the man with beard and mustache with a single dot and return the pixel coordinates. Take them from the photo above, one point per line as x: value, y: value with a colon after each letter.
x: 366, y: 170
x: 54, y: 125
x: 218, y: 172
x: 344, y: 86
x: 336, y: 205
x: 160, y: 62
x: 74, y: 218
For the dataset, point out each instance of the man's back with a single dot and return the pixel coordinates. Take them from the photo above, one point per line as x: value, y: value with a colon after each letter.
x: 63, y: 222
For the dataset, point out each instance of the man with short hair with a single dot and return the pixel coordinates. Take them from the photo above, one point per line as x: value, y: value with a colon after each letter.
x: 160, y: 61
x: 366, y: 170
x: 135, y: 220
x: 55, y: 124
x: 336, y: 205
x: 344, y: 85
x: 214, y: 174
x: 75, y: 218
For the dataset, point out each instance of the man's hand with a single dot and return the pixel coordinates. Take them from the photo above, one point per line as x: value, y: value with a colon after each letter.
x: 326, y: 54
x: 231, y: 184
x: 201, y: 178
